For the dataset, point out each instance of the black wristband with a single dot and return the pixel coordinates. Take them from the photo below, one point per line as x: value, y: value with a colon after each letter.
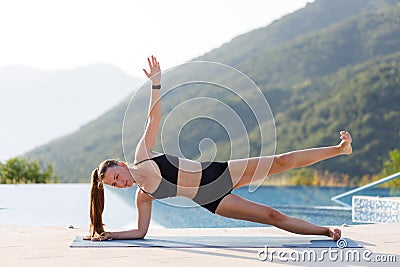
x: 157, y: 87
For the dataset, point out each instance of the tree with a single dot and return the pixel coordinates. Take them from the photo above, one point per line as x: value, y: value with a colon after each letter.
x: 392, y: 166
x: 22, y: 171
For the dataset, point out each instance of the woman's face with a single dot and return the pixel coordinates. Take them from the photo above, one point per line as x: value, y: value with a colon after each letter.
x: 118, y: 176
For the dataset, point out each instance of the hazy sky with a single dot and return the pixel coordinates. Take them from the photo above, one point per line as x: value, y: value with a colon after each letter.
x: 65, y: 34
x: 53, y: 34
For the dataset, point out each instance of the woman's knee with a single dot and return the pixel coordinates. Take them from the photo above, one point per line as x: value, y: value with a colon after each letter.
x: 274, y: 216
x: 284, y: 161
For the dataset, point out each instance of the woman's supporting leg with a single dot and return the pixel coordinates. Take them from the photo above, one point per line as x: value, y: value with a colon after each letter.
x: 245, y: 171
x: 236, y: 207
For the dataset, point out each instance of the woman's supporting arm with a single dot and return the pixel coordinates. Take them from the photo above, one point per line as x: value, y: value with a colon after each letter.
x: 143, y: 206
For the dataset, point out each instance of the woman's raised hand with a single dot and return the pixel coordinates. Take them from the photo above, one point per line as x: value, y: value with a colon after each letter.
x: 155, y: 72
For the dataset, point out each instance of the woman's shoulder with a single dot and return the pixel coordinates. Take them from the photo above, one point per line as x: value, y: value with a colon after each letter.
x: 146, y: 156
x: 156, y: 154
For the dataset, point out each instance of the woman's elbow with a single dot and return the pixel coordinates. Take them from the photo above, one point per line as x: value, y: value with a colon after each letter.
x: 141, y: 234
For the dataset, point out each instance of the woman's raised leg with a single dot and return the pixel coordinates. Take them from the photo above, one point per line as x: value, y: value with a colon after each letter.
x: 236, y: 207
x: 245, y: 171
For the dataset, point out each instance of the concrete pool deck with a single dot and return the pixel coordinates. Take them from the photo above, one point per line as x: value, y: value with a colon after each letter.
x: 49, y: 246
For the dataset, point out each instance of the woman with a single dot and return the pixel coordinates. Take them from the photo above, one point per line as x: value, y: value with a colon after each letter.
x: 208, y: 183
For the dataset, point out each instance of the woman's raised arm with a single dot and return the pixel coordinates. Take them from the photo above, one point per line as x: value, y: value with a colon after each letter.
x: 149, y: 137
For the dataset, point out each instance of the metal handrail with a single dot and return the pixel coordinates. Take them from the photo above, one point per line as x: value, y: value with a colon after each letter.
x: 350, y: 192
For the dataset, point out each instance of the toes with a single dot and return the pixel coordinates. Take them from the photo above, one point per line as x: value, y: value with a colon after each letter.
x: 345, y: 136
x: 335, y: 233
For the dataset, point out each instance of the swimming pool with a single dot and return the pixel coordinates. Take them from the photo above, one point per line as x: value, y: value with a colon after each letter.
x: 310, y: 203
x: 68, y: 204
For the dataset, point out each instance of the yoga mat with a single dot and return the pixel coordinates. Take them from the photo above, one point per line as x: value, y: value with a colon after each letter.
x: 219, y: 242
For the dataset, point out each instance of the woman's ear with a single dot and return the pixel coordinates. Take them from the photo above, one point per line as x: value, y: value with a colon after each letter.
x: 123, y: 164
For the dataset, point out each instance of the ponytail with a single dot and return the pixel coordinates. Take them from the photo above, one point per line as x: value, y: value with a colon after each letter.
x: 96, y: 204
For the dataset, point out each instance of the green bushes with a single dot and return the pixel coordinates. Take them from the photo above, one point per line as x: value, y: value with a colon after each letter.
x: 391, y: 166
x: 21, y: 171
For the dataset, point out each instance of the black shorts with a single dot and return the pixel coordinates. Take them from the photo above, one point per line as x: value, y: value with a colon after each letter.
x: 215, y: 184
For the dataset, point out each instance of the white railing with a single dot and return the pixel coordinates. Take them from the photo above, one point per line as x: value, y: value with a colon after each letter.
x: 358, y: 189
x: 368, y: 209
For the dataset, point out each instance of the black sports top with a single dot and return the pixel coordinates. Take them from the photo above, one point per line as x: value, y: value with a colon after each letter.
x: 168, y: 166
x: 215, y: 183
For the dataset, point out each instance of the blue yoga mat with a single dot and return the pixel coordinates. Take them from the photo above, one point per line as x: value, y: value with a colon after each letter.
x: 220, y: 242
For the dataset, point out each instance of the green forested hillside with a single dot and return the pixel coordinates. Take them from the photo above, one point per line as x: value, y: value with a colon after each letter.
x: 350, y: 42
x: 314, y: 17
x: 363, y: 100
x: 332, y: 65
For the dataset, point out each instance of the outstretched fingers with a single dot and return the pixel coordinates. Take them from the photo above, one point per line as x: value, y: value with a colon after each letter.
x: 156, y: 65
x: 146, y: 73
x: 155, y: 69
x: 150, y: 66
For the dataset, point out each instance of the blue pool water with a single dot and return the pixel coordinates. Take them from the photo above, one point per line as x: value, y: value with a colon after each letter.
x: 310, y: 203
x: 68, y: 204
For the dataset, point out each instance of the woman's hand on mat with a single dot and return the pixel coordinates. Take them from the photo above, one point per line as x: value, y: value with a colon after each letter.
x: 155, y: 71
x: 104, y: 236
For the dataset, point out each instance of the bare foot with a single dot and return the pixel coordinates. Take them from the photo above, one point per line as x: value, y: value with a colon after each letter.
x: 334, y: 233
x: 345, y: 144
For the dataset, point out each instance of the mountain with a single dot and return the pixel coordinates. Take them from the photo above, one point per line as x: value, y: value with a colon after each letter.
x: 316, y: 16
x: 332, y: 65
x: 362, y: 99
x: 33, y: 99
